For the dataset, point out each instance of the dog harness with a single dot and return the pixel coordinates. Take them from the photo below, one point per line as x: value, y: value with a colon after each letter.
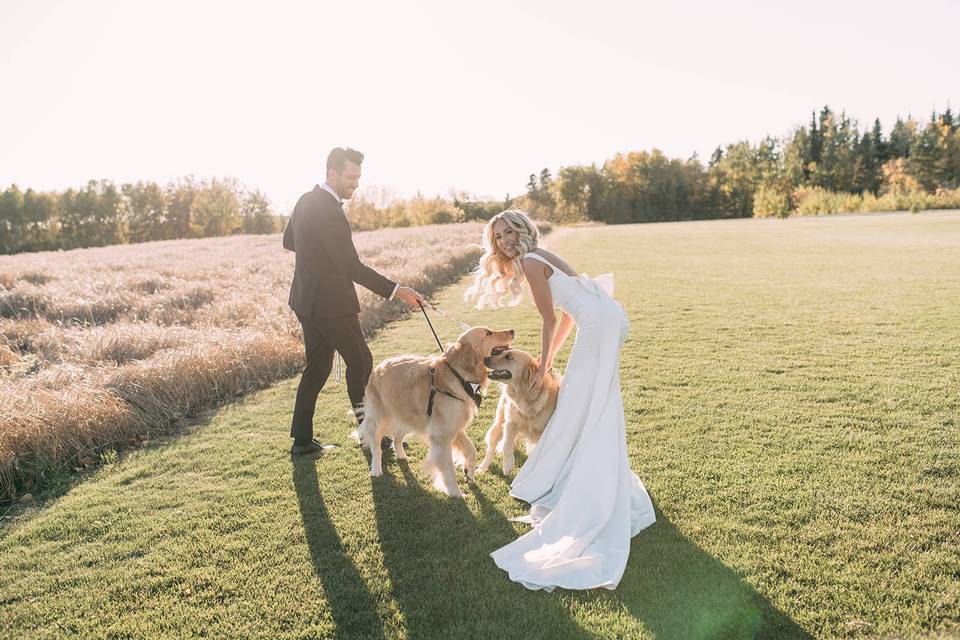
x: 473, y: 389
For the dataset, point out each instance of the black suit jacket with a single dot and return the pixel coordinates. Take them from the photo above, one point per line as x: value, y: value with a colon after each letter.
x: 327, y: 263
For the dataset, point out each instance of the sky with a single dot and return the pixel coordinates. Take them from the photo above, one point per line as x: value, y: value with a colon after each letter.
x: 440, y: 96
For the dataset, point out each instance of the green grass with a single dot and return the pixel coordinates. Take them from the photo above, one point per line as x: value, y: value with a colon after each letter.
x: 791, y: 390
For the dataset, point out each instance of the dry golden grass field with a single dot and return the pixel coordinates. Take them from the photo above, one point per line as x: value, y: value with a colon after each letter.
x: 101, y: 347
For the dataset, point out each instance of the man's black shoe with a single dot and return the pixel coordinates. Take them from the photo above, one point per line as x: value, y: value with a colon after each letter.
x: 306, y: 448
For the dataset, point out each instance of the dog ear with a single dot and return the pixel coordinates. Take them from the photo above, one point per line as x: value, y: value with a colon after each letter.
x: 526, y: 374
x: 474, y: 357
x: 476, y: 351
x: 457, y: 352
x: 467, y: 357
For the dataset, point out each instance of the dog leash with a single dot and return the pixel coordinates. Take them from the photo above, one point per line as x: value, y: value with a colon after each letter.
x: 473, y: 389
x: 433, y: 372
x: 460, y: 323
x: 436, y: 337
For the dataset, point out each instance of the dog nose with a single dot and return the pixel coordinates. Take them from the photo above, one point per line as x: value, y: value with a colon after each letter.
x: 512, y: 333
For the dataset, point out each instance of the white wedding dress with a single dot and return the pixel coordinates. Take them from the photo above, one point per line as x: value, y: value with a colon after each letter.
x: 585, y: 501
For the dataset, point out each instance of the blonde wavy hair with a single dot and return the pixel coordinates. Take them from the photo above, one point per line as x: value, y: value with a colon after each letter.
x: 499, y: 279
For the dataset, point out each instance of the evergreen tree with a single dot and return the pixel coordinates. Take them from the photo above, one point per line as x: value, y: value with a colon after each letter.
x: 532, y: 185
x: 545, y: 180
x: 867, y: 167
x: 540, y: 195
x: 878, y: 143
x: 901, y: 139
x: 716, y: 156
x: 948, y: 151
x: 815, y: 142
x: 948, y: 120
x: 925, y: 156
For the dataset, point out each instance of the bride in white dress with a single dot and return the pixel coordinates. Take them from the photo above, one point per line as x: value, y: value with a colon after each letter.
x: 585, y: 501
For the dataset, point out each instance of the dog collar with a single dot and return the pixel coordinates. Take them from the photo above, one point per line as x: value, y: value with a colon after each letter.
x: 472, y: 388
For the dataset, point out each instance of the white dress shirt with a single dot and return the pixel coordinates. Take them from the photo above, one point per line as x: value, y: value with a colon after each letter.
x: 329, y: 189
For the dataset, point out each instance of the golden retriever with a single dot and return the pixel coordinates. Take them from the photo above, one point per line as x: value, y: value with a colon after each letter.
x: 520, y: 413
x: 401, y: 390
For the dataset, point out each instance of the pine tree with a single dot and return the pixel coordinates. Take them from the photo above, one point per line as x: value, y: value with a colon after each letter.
x: 828, y: 164
x: 815, y: 142
x: 901, y: 137
x: 867, y: 174
x: 545, y: 179
x: 716, y: 156
x: 925, y: 155
x: 532, y: 185
x: 948, y: 120
x: 879, y: 144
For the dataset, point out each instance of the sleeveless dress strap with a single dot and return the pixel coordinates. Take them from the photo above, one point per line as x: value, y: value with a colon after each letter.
x: 531, y: 254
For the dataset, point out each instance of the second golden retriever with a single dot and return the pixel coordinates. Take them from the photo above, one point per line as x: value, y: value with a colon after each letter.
x: 434, y: 398
x: 521, y: 414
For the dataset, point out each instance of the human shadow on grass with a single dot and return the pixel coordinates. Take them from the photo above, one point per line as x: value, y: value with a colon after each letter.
x: 437, y: 554
x: 678, y: 590
x: 673, y: 587
x: 352, y: 605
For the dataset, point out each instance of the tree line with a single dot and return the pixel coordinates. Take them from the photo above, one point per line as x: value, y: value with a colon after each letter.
x: 373, y: 208
x: 827, y: 165
x: 103, y: 213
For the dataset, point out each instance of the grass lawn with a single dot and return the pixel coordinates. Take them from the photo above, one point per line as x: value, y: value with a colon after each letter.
x: 792, y: 391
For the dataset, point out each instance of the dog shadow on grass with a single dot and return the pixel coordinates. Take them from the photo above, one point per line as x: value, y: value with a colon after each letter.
x: 436, y: 553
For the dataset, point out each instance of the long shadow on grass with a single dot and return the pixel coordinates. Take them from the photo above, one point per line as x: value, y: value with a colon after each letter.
x: 678, y: 590
x: 352, y: 605
x: 437, y: 554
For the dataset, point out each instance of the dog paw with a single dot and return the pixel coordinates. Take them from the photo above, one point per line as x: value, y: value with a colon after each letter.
x: 483, y: 468
x: 376, y: 473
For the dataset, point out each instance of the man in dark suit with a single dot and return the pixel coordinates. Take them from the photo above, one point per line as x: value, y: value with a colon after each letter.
x: 323, y: 296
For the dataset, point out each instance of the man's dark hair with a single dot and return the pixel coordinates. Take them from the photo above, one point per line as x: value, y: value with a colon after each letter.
x: 338, y: 157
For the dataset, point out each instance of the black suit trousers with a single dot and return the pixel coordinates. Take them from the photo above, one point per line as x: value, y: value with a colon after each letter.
x: 321, y: 337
